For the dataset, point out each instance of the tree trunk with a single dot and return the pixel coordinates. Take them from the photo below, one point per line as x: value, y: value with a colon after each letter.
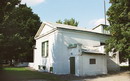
x: 1, y: 65
x: 11, y: 63
x: 129, y: 63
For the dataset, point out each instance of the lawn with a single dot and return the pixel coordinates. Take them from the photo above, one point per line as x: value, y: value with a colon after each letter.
x: 24, y: 74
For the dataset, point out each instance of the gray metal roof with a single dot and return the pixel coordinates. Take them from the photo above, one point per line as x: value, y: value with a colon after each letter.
x: 63, y: 26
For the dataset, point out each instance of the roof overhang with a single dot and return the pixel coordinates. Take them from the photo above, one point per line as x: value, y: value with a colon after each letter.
x: 41, y: 28
x: 83, y: 53
x: 66, y: 27
x: 81, y: 30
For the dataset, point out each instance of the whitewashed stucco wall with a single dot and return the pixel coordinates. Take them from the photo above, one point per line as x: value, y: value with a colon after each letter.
x: 60, y: 64
x: 38, y: 59
x: 84, y: 68
x: 84, y: 38
x: 62, y: 53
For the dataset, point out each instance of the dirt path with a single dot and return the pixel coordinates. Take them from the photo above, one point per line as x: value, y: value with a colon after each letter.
x: 123, y: 76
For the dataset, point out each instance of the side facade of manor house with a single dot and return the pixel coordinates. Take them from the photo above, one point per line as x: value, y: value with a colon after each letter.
x: 64, y: 49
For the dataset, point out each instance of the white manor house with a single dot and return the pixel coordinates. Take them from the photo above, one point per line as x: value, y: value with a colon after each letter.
x: 64, y: 49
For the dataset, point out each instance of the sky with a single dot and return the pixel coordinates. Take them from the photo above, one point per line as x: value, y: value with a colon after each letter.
x: 89, y: 13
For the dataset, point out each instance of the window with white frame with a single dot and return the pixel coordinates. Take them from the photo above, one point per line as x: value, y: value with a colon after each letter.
x: 45, y: 48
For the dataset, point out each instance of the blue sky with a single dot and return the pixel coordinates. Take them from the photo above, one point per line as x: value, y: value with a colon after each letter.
x: 88, y: 13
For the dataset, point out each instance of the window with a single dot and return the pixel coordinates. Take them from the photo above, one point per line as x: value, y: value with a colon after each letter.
x: 92, y: 61
x: 45, y: 49
x: 102, y: 43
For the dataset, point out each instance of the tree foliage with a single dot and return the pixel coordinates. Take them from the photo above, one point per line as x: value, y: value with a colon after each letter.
x: 119, y: 19
x: 71, y: 22
x: 6, y: 6
x: 17, y: 30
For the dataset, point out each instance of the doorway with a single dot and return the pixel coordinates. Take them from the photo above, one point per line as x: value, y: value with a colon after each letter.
x: 72, y: 65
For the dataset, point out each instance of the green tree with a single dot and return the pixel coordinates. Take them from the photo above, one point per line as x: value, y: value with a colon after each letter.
x: 119, y: 18
x: 20, y: 29
x: 6, y: 6
x: 71, y: 22
x: 59, y: 21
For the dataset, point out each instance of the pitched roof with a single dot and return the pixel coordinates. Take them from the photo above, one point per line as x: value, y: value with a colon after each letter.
x: 63, y: 26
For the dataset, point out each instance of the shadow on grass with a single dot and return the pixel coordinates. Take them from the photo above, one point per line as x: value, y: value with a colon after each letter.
x: 24, y: 74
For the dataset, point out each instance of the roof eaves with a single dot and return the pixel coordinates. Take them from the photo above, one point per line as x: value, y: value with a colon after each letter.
x: 84, y: 30
x: 39, y: 30
x: 93, y: 53
x: 46, y: 34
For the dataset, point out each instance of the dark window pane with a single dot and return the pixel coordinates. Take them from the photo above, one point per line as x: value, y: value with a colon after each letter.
x: 43, y: 49
x: 102, y: 43
x: 47, y: 47
x: 92, y: 61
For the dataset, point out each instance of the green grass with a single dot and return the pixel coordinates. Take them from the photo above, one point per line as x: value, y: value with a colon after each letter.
x: 22, y: 73
x: 15, y: 69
